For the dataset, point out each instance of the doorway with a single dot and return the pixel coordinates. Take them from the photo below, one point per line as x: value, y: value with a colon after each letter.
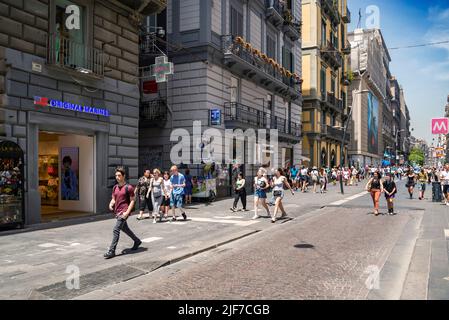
x: 66, y: 175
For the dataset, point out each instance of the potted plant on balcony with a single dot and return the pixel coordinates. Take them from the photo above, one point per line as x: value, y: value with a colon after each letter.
x: 264, y: 57
x: 288, y: 17
x: 239, y: 40
x: 248, y: 46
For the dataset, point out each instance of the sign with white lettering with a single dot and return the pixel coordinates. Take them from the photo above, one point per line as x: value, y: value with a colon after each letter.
x: 46, y: 102
x: 440, y: 126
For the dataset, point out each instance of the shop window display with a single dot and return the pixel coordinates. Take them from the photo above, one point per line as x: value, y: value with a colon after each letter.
x: 48, y: 179
x: 11, y: 185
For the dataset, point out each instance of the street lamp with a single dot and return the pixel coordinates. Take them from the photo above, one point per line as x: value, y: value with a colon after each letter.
x: 343, y: 140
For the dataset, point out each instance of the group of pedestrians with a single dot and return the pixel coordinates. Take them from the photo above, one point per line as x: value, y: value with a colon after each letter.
x: 156, y: 191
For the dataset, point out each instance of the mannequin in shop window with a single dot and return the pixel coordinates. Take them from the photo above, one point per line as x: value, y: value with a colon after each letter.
x: 69, y: 186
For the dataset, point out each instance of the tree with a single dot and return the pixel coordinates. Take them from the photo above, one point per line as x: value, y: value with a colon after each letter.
x: 417, y: 156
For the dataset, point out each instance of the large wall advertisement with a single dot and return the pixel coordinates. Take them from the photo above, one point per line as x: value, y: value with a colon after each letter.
x: 373, y: 124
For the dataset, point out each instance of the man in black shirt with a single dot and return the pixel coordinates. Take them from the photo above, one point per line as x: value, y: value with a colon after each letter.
x: 390, y: 192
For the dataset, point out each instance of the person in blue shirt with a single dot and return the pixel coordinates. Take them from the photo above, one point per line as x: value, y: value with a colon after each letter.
x: 294, y: 174
x: 178, y: 184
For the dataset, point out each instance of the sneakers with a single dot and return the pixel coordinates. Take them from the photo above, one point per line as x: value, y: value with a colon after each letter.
x: 154, y: 220
x: 184, y: 216
x: 136, y: 245
x: 110, y: 254
x: 233, y: 209
x: 255, y: 217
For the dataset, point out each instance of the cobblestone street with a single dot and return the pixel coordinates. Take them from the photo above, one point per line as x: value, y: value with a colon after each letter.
x: 334, y: 248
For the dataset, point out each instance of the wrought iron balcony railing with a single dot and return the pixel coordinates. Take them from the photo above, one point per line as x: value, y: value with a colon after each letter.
x: 259, y: 61
x: 331, y: 54
x: 330, y: 7
x: 68, y: 54
x: 247, y: 116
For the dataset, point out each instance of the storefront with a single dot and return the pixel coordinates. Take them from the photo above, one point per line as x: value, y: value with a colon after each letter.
x: 73, y: 136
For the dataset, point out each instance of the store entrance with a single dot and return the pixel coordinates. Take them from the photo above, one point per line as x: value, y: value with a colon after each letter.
x: 66, y: 175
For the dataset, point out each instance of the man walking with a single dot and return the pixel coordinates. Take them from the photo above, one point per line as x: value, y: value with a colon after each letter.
x: 122, y: 203
x: 444, y: 177
x: 178, y: 183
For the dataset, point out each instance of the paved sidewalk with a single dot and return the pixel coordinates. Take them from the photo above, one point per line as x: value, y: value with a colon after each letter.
x: 35, y: 264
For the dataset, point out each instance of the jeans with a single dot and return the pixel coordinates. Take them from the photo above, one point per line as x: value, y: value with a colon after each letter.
x: 121, y: 225
x: 157, y: 202
x: 242, y: 196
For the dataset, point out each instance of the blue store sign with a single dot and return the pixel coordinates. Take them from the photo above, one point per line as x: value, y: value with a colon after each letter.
x: 215, y: 117
x: 45, y: 102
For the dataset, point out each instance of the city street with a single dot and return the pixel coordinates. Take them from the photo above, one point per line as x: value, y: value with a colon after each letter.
x: 330, y: 247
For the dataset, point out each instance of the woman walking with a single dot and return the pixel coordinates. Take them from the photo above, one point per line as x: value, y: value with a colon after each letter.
x: 157, y: 190
x: 390, y: 192
x: 323, y: 180
x: 411, y: 181
x: 422, y: 179
x: 375, y: 187
x: 240, y: 193
x: 279, y: 180
x: 165, y: 206
x: 315, y: 178
x: 260, y: 196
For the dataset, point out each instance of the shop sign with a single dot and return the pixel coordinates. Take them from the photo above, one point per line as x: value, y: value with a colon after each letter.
x: 46, y: 102
x: 215, y: 117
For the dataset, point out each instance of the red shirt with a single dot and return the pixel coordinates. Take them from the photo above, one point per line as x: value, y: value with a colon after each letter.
x: 119, y: 194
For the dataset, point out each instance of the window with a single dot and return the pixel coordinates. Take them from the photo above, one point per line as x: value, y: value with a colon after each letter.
x: 333, y: 85
x: 75, y: 34
x: 236, y: 23
x: 287, y: 59
x: 270, y: 101
x: 235, y: 89
x: 323, y: 33
x: 271, y: 47
x: 323, y: 80
x: 151, y: 23
x: 323, y: 117
x: 69, y: 36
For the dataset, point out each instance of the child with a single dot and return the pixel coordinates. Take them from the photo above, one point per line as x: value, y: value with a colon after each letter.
x: 390, y: 192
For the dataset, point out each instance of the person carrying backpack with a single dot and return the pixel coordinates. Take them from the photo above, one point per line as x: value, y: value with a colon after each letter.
x: 122, y: 204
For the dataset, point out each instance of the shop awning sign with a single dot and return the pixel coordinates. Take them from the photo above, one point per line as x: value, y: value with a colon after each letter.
x: 46, y: 102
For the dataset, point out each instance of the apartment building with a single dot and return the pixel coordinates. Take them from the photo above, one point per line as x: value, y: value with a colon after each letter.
x: 237, y: 65
x: 370, y: 95
x: 325, y: 70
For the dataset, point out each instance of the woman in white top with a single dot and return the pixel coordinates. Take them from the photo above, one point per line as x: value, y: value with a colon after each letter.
x: 278, y: 182
x: 165, y: 206
x: 315, y: 178
x: 157, y: 190
x: 260, y: 192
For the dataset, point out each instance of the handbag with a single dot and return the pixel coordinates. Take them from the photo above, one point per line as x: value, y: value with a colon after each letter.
x: 277, y: 193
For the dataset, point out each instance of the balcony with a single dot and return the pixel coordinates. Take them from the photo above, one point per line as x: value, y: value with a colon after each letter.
x: 250, y: 63
x: 330, y: 8
x: 347, y: 49
x: 237, y: 115
x: 334, y: 133
x: 153, y: 113
x: 331, y: 55
x: 146, y: 7
x: 275, y: 12
x: 292, y: 27
x: 346, y: 16
x: 332, y: 102
x: 74, y: 57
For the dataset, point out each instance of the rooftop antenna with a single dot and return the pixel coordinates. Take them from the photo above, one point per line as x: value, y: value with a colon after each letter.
x: 359, y: 24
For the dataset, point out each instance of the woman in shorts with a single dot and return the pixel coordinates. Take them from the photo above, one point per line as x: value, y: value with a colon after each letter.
x: 165, y: 206
x: 278, y: 182
x: 260, y: 195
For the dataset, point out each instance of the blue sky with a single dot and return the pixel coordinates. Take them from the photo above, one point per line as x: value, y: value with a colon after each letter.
x: 423, y: 72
